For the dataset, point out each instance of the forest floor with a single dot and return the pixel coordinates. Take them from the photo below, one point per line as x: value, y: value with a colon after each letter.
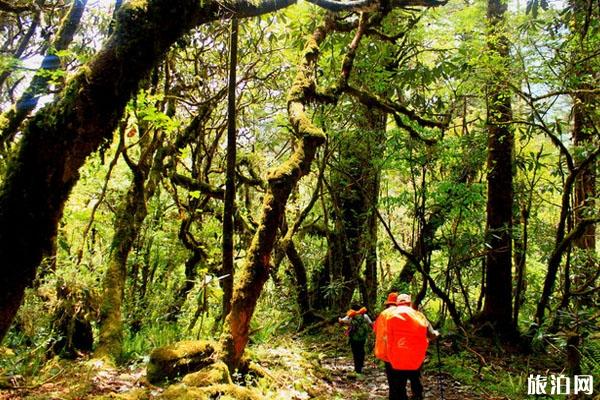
x: 297, y: 368
x: 335, y: 379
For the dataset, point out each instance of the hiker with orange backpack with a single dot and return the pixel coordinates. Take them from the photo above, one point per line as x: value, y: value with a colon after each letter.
x: 402, y: 336
x: 359, y: 325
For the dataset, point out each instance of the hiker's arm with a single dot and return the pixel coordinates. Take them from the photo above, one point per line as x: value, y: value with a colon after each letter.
x: 432, y: 334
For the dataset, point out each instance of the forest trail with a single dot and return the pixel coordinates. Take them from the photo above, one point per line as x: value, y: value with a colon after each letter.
x: 372, y: 384
x: 301, y: 368
x: 344, y: 383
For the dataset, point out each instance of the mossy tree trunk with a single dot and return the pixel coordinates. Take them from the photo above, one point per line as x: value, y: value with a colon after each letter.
x: 128, y: 222
x: 585, y: 135
x: 59, y: 138
x: 197, y: 256
x: 281, y: 182
x: 585, y: 185
x: 355, y: 192
x: 301, y: 283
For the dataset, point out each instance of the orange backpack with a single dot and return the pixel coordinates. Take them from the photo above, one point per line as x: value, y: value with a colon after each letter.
x: 401, y: 337
x: 380, y: 328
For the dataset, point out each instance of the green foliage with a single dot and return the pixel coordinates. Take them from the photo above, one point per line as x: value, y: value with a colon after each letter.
x: 146, y: 110
x: 30, y: 338
x: 484, y: 379
x: 8, y: 63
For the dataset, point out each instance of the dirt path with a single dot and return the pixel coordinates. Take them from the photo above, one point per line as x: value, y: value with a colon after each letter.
x: 372, y: 384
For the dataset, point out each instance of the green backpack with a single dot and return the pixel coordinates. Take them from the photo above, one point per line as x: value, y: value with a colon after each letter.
x: 359, y: 329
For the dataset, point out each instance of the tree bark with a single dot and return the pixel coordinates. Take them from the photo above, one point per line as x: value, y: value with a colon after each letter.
x: 585, y: 134
x: 229, y: 202
x: 355, y: 190
x: 60, y: 137
x: 497, y: 309
x: 301, y: 281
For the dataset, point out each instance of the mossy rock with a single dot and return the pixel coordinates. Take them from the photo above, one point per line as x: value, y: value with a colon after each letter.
x: 222, y: 392
x: 179, y: 359
x: 217, y: 373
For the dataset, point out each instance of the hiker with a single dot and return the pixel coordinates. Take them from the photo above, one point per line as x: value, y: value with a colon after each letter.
x: 359, y: 324
x: 402, y: 335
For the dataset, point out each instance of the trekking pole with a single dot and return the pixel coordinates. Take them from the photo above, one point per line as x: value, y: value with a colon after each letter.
x: 437, y: 344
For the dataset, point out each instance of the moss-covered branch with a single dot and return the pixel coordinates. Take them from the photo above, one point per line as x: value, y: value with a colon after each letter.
x: 194, y: 184
x: 372, y: 100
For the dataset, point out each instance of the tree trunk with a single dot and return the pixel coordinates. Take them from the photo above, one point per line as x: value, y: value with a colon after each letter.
x: 585, y: 185
x: 521, y: 262
x: 377, y: 129
x: 281, y: 181
x: 190, y: 281
x: 229, y: 201
x: 128, y: 223
x: 355, y: 193
x: 497, y: 309
x: 301, y: 280
x: 585, y: 203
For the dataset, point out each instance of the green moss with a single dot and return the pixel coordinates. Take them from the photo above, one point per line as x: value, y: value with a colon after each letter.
x: 5, y: 352
x: 178, y: 359
x: 302, y: 123
x: 216, y: 373
x: 138, y: 4
x: 182, y: 392
x: 311, y: 49
x: 301, y: 83
x: 223, y: 392
x: 3, y: 121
